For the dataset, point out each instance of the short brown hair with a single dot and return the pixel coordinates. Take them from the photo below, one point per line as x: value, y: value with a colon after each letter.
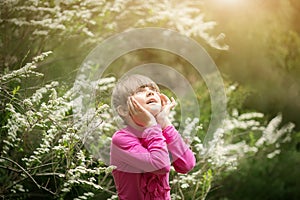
x: 126, y: 86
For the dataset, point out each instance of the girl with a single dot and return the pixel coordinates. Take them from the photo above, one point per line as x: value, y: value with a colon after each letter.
x: 142, y: 150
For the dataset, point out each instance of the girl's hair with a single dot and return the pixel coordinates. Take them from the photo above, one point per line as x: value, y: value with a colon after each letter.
x: 126, y: 86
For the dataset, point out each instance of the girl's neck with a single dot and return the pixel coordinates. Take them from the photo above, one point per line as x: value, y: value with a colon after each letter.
x: 130, y: 123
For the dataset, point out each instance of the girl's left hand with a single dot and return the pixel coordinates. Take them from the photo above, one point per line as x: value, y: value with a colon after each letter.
x: 140, y: 115
x: 162, y: 117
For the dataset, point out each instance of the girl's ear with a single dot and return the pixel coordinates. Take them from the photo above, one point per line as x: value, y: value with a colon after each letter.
x: 122, y: 111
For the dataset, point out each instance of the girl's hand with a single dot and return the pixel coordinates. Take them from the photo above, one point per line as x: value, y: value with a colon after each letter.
x: 140, y: 115
x: 162, y: 117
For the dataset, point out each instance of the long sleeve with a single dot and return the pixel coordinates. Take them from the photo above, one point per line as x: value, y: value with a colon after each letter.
x: 137, y: 155
x: 182, y: 157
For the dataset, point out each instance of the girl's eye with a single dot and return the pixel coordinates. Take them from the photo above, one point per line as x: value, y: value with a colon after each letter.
x: 153, y: 89
x: 143, y: 89
x: 138, y: 91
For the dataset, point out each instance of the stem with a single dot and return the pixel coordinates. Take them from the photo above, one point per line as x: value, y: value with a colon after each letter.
x: 196, y: 189
x: 10, y: 168
x: 40, y: 166
x: 28, y: 175
x: 8, y: 159
x: 181, y: 193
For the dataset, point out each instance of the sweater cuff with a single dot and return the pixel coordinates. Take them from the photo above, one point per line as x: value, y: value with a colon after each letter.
x: 152, y: 129
x: 170, y: 133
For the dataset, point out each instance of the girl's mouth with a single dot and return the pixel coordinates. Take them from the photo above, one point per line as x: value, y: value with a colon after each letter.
x: 151, y: 101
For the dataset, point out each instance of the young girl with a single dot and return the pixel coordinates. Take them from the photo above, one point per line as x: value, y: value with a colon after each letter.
x: 143, y: 151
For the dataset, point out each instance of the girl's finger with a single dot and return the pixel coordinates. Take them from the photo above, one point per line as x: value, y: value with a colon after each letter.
x: 161, y: 100
x: 136, y: 104
x: 130, y: 107
x: 172, y: 103
x: 164, y: 99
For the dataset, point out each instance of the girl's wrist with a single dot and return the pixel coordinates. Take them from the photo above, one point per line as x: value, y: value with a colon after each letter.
x: 165, y: 123
x: 151, y: 123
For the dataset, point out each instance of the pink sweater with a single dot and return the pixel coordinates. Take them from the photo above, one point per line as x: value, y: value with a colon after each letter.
x: 143, y: 161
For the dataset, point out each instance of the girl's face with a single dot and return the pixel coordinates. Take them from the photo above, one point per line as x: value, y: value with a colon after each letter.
x: 149, y: 99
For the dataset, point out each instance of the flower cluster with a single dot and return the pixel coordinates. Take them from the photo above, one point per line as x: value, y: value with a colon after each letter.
x: 241, y: 136
x: 46, y: 120
x: 93, y: 21
x: 26, y: 71
x: 183, y: 16
x: 72, y: 144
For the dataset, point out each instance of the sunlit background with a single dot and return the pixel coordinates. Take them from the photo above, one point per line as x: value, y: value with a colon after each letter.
x: 254, y: 43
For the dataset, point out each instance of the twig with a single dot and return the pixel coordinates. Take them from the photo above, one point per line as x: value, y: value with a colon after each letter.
x: 15, y: 182
x: 36, y: 183
x: 196, y: 189
x: 181, y: 193
x: 109, y: 191
x: 49, y: 174
x: 8, y: 159
x: 10, y: 168
x: 40, y: 166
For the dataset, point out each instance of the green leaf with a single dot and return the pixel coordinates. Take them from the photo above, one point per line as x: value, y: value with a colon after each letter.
x: 15, y: 90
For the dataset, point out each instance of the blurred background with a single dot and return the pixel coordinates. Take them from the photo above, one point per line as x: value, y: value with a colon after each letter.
x: 262, y: 38
x: 254, y: 43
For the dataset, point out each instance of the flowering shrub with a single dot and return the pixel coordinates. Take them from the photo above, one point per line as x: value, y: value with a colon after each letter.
x: 241, y: 136
x: 58, y: 162
x: 30, y: 27
x: 42, y: 150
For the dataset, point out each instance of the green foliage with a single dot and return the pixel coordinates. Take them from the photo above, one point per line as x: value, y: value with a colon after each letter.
x: 264, y: 52
x: 42, y: 154
x: 58, y: 162
x: 260, y: 178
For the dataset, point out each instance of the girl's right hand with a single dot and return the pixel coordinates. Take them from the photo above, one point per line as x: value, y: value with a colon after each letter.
x: 162, y: 118
x: 140, y: 115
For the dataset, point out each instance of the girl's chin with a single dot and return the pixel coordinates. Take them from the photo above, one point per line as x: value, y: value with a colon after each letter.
x: 154, y: 109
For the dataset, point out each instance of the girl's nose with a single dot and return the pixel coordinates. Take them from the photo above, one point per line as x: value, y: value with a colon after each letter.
x: 149, y: 92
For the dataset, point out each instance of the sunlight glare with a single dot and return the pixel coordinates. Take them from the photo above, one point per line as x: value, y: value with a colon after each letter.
x: 229, y: 2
